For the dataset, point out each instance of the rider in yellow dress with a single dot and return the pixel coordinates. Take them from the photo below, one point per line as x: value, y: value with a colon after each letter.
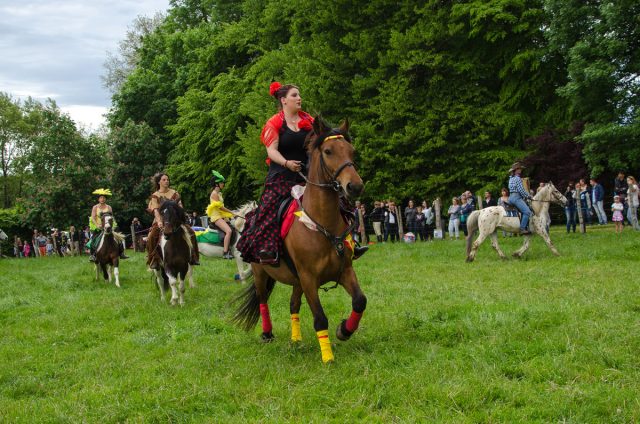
x: 218, y: 214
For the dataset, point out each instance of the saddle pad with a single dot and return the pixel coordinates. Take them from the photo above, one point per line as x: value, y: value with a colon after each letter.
x: 211, y: 237
x: 287, y: 219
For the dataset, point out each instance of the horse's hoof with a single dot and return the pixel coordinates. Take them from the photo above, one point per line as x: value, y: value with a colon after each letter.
x: 469, y: 259
x: 267, y: 337
x: 342, y: 333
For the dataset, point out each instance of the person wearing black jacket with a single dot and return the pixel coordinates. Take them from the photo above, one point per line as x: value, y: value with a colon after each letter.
x: 377, y: 218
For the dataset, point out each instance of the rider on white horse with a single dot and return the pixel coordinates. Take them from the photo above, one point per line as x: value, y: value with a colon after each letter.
x: 518, y: 196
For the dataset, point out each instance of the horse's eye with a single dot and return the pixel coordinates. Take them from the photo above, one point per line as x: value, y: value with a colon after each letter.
x: 327, y: 152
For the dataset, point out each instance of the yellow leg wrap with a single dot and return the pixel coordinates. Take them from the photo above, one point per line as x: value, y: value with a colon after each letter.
x: 296, y: 335
x: 325, y: 346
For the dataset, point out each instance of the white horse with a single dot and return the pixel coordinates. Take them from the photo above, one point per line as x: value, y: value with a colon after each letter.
x: 488, y: 220
x: 3, y: 238
x: 213, y: 250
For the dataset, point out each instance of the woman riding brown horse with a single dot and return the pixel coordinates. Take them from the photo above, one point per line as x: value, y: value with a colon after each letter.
x: 318, y: 256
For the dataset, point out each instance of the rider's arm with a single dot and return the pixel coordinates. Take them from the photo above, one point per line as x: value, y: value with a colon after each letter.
x: 275, y: 156
x: 94, y: 213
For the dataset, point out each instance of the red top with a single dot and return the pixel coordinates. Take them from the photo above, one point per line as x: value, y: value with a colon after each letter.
x: 271, y: 130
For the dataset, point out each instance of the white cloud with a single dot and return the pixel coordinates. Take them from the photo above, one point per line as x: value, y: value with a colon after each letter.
x: 57, y: 49
x: 89, y: 118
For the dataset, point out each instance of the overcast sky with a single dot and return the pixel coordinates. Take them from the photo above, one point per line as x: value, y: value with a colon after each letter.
x: 56, y: 49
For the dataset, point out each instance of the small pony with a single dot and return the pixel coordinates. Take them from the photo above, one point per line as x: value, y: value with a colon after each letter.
x: 175, y: 248
x: 108, y: 251
x: 488, y: 220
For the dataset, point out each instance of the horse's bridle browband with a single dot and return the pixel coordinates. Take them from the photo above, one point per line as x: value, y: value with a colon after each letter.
x: 334, y: 184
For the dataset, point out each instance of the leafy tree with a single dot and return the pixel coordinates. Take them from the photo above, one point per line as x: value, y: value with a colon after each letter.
x: 64, y: 168
x: 599, y: 41
x: 134, y: 152
x: 12, y: 132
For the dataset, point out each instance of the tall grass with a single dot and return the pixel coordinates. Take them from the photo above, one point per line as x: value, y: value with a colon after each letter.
x: 541, y: 339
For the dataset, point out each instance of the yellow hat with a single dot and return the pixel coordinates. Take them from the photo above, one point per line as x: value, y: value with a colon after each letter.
x: 102, y: 192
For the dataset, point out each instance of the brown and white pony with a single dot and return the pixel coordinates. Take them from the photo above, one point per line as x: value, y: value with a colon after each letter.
x: 108, y: 251
x: 488, y: 220
x: 318, y: 256
x: 175, y: 248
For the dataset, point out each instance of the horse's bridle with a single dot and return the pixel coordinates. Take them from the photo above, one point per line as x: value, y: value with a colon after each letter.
x: 334, y: 184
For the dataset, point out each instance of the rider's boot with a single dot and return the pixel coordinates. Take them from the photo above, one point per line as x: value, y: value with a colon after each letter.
x: 358, y: 251
x: 122, y: 255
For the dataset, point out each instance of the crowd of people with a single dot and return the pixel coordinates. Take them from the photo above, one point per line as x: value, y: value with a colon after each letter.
x: 52, y: 242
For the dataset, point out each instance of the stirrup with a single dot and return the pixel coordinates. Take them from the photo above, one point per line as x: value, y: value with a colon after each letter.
x: 267, y: 257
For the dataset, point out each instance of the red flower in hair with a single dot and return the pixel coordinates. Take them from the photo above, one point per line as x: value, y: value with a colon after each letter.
x: 275, y: 86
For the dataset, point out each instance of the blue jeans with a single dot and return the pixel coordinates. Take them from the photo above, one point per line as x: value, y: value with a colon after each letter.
x: 517, y: 201
x: 570, y: 212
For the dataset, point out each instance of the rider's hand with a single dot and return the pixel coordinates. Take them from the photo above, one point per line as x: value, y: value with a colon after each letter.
x: 294, y: 165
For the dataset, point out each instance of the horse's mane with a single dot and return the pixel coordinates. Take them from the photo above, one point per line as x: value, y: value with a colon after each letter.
x: 547, y: 188
x: 243, y: 210
x: 177, y: 216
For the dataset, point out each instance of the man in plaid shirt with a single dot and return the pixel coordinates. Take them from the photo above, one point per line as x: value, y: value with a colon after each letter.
x: 518, y: 196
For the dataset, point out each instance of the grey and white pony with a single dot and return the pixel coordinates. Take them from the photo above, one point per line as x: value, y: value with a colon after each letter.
x: 207, y: 249
x: 488, y: 220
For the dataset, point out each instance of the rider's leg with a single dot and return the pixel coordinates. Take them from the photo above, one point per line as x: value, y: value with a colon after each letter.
x: 152, y: 244
x: 222, y: 225
x: 526, y: 213
x: 121, y: 250
x: 195, y: 253
x: 93, y: 246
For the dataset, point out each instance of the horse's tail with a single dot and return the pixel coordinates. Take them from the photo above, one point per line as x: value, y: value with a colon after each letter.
x: 248, y: 312
x: 472, y: 227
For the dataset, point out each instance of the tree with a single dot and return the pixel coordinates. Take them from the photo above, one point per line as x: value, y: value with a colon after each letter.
x: 600, y: 43
x: 12, y: 133
x: 64, y: 168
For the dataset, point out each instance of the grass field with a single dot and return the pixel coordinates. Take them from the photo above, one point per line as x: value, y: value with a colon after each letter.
x: 542, y: 339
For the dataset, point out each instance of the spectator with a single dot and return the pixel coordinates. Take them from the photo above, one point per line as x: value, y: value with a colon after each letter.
x: 137, y: 235
x: 597, y: 199
x: 391, y: 223
x: 466, y: 207
x: 26, y: 249
x: 86, y: 236
x: 49, y: 246
x: 17, y: 247
x: 420, y: 224
x: 41, y: 241
x: 489, y: 200
x: 570, y: 207
x: 454, y: 215
x: 34, y: 242
x: 74, y: 241
x: 429, y: 219
x: 632, y: 202
x: 410, y: 217
x: 585, y: 201
x: 540, y: 186
x: 377, y: 218
x: 471, y: 199
x: 620, y: 188
x: 363, y: 225
x: 57, y: 242
x: 616, y: 210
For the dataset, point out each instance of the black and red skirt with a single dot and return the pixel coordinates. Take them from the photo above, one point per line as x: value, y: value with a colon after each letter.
x: 263, y: 229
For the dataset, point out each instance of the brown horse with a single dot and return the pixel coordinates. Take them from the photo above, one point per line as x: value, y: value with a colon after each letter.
x: 108, y: 251
x: 319, y: 256
x: 175, y: 248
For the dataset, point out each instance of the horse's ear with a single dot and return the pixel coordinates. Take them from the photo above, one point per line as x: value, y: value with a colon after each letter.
x: 320, y: 126
x: 344, y: 126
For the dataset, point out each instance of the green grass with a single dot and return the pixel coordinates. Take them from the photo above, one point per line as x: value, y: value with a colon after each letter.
x: 542, y: 339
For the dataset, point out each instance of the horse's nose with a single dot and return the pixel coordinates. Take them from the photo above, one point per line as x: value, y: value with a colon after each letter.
x: 354, y: 189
